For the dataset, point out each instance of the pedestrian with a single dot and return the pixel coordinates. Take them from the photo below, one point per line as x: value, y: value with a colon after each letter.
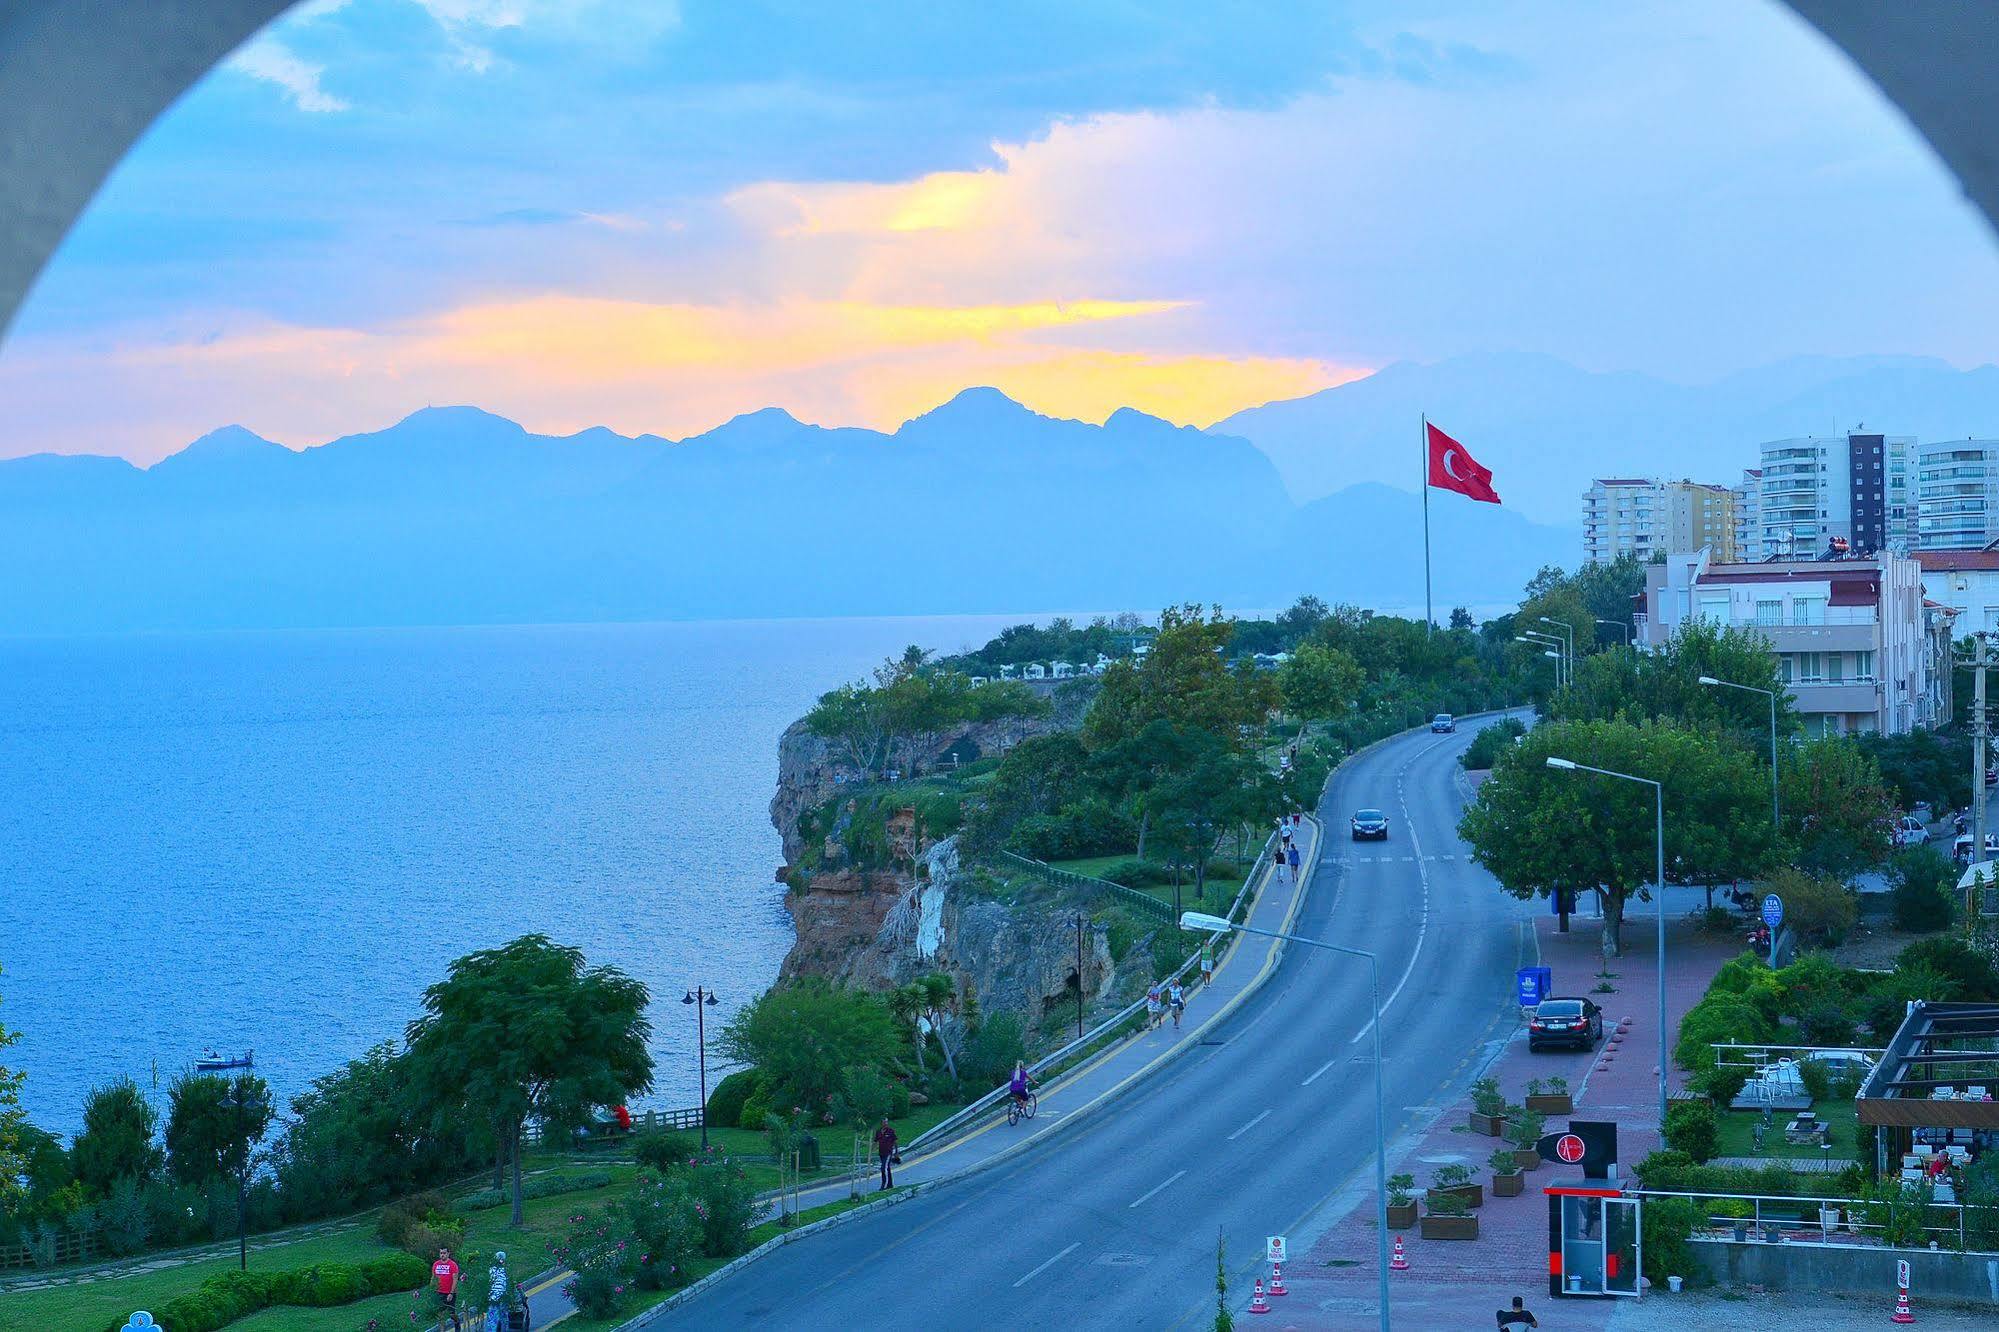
x: 1292, y: 856
x: 1152, y: 1007
x: 1178, y: 998
x: 445, y: 1273
x: 496, y: 1294
x: 1517, y: 1316
x: 885, y: 1149
x: 1208, y: 963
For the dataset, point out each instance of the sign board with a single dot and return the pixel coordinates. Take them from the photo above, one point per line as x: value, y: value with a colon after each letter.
x: 1275, y: 1243
x: 1773, y: 910
x: 1902, y: 1273
x: 1590, y: 1144
x: 1569, y: 1149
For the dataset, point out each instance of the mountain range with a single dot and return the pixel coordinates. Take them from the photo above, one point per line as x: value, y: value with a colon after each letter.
x: 457, y: 516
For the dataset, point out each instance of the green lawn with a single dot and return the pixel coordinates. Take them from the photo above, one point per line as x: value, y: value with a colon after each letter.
x: 1224, y: 878
x: 1737, y: 1134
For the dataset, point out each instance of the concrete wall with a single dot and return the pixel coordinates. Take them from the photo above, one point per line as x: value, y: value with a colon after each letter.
x: 1971, y: 1278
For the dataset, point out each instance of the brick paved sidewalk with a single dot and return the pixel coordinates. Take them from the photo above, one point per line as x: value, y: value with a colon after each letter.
x: 1461, y: 1283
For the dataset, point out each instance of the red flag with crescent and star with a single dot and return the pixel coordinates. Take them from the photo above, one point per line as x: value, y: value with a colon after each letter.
x: 1451, y: 468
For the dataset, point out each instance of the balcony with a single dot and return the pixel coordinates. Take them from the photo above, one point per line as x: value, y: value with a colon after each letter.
x: 1820, y: 637
x: 1818, y: 696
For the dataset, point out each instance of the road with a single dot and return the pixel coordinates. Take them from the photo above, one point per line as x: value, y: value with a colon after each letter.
x: 1266, y: 1125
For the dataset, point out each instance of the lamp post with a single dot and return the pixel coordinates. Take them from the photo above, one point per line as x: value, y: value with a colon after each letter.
x: 702, y: 1000
x: 1776, y: 820
x: 1568, y: 639
x: 1195, y: 920
x: 1622, y: 627
x: 1533, y: 639
x: 1079, y: 975
x: 1659, y: 832
x: 243, y: 1102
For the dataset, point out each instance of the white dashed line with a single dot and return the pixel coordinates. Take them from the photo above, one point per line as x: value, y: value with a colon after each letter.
x: 1322, y: 1069
x: 1143, y: 1197
x: 1050, y: 1263
x: 1250, y: 1125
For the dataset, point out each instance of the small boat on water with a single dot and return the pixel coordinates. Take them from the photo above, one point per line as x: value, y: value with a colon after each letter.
x: 211, y: 1062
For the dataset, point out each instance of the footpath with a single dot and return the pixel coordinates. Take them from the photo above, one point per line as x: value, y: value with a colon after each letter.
x: 1460, y: 1283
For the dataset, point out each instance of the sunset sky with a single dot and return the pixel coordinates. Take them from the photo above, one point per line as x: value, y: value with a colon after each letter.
x: 655, y: 217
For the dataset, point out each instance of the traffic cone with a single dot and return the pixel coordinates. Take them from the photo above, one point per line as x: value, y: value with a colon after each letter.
x: 1257, y: 1304
x: 1901, y: 1314
x: 1400, y: 1262
x: 1277, y: 1279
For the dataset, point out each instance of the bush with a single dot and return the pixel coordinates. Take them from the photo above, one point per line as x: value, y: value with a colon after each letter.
x: 867, y: 1096
x: 1721, y: 1084
x: 991, y: 1052
x: 1720, y: 1016
x: 222, y: 1299
x: 541, y: 1186
x: 755, y: 1111
x: 725, y: 1103
x: 727, y: 1204
x: 1490, y: 743
x: 393, y: 1226
x: 1976, y: 978
x: 594, y: 1292
x: 1816, y: 1078
x: 1924, y: 883
x: 1667, y: 1226
x: 1817, y: 908
x: 1135, y: 873
x: 1691, y: 1127
x: 1827, y: 1024
x: 434, y: 1233
x: 661, y: 1152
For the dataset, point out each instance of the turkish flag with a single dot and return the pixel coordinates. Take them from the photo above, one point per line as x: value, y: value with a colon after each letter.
x: 1451, y: 468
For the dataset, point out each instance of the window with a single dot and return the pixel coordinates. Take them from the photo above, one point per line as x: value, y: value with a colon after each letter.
x: 1811, y: 669
x: 1714, y: 606
x: 1833, y: 667
x: 1808, y: 610
x: 1772, y: 612
x: 1784, y: 663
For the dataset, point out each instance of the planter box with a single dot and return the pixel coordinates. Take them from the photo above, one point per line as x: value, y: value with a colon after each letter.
x: 1473, y: 1194
x: 1508, y: 1186
x: 1401, y: 1216
x: 1527, y: 1158
x: 1450, y: 1227
x: 1490, y: 1125
x: 1554, y: 1103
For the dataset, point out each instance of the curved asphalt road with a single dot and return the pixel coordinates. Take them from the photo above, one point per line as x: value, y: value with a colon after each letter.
x: 1270, y: 1123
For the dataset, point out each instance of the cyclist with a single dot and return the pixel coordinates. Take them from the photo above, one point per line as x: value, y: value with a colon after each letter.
x: 1018, y: 1084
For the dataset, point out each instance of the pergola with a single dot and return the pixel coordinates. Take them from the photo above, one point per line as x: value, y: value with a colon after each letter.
x: 1938, y: 1080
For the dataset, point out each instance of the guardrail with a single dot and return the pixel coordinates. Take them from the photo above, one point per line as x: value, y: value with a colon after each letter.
x: 1062, y: 878
x: 1077, y: 1048
x: 1835, y: 1220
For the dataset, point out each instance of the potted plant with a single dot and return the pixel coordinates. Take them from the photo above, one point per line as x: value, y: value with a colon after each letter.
x: 1508, y: 1179
x: 1737, y: 1211
x: 1401, y: 1202
x: 1523, y: 1129
x: 1458, y: 1180
x: 1488, y: 1107
x: 1550, y: 1096
x: 1446, y: 1217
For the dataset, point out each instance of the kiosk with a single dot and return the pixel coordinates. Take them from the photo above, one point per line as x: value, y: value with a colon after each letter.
x: 1594, y: 1244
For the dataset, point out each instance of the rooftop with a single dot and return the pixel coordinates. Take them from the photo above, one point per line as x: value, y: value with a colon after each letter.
x: 1940, y: 560
x: 1939, y: 1051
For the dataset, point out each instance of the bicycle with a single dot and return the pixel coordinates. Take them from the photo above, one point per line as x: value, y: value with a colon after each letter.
x: 1017, y: 1109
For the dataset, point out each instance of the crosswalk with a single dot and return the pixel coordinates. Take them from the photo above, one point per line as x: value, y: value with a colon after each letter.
x: 1390, y: 860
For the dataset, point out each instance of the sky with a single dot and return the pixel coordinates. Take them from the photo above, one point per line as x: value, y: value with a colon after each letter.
x: 656, y: 216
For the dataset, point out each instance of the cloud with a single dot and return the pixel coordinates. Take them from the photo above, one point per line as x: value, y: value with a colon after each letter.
x: 271, y: 61
x: 621, y: 29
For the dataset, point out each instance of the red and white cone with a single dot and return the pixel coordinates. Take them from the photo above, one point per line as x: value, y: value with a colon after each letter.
x: 1901, y: 1314
x: 1257, y: 1304
x: 1277, y: 1279
x: 1400, y: 1262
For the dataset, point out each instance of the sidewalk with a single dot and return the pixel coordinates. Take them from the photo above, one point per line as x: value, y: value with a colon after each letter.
x: 1459, y: 1283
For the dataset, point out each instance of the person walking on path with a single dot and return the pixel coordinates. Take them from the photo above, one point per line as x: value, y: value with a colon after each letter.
x: 1291, y: 854
x: 496, y: 1294
x: 1517, y: 1316
x: 1208, y: 963
x: 1178, y: 998
x: 1152, y: 1007
x: 885, y: 1149
x: 444, y: 1272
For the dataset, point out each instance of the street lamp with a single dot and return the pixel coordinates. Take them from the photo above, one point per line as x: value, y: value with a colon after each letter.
x: 1195, y: 920
x: 1568, y: 639
x: 1771, y: 694
x: 1532, y: 639
x: 1659, y: 830
x: 244, y: 1102
x: 1622, y: 627
x: 703, y: 1000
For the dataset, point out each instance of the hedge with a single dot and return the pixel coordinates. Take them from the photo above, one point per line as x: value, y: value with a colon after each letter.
x: 725, y: 1103
x: 221, y: 1300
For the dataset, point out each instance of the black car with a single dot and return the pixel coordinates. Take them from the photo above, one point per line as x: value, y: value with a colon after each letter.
x: 1370, y: 823
x: 1572, y: 1022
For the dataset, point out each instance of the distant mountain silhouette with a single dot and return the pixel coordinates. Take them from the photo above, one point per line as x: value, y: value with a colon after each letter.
x: 1545, y: 427
x: 455, y: 515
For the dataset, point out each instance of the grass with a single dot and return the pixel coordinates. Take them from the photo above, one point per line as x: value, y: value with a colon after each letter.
x: 1736, y: 1137
x: 1224, y: 878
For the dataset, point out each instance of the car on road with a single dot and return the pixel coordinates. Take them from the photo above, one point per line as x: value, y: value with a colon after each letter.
x: 1565, y: 1021
x: 1370, y: 824
x: 1909, y: 831
x: 1443, y: 722
x: 1960, y: 850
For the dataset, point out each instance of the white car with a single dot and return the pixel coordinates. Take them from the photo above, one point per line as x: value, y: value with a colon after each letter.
x: 1960, y: 850
x: 1909, y: 831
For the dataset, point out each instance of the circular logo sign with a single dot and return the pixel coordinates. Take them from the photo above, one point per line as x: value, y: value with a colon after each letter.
x: 1569, y: 1147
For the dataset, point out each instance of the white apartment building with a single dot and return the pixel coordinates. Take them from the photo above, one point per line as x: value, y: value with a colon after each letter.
x: 1749, y: 514
x: 1966, y: 582
x: 1643, y: 516
x: 1856, y: 644
x: 1857, y: 487
x: 1957, y: 494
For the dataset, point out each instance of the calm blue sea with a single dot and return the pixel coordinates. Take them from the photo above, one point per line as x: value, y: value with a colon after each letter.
x: 278, y: 840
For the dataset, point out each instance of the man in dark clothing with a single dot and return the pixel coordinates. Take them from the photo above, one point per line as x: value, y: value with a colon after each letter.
x: 1517, y: 1316
x: 885, y: 1149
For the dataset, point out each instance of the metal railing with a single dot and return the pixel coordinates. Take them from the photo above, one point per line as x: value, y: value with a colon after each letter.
x: 1108, y: 1028
x: 1061, y: 878
x: 1809, y: 1219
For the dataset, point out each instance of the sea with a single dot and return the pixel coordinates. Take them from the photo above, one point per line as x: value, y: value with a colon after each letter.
x: 273, y: 842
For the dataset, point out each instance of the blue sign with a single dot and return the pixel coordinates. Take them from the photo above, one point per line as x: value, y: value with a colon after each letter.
x: 1773, y: 910
x: 1534, y: 984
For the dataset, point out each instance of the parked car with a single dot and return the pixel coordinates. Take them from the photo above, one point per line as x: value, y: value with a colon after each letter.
x: 1909, y: 831
x: 1443, y: 722
x: 1370, y: 823
x: 1960, y: 850
x: 1564, y: 1021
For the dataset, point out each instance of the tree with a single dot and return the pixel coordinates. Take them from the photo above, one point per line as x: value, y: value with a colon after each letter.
x: 1664, y: 685
x: 1460, y: 618
x: 525, y: 1031
x: 1320, y: 681
x: 1539, y: 830
x: 804, y: 1035
x: 1184, y: 680
x: 1837, y: 813
x: 355, y: 1140
x: 1213, y: 795
x: 1922, y: 766
x: 13, y: 1124
x: 117, y: 1138
x: 213, y: 1123
x: 1817, y: 908
x: 852, y: 719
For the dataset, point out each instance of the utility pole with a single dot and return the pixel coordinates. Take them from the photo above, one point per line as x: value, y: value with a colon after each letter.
x: 1981, y: 749
x: 1079, y: 975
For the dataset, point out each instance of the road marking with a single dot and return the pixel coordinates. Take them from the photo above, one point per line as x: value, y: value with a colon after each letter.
x: 1422, y: 930
x: 1250, y: 1125
x: 1315, y: 1077
x: 1148, y: 1195
x: 1045, y: 1266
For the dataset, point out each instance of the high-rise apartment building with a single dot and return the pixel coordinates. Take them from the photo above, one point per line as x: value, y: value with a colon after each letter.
x: 1749, y: 514
x: 1643, y: 516
x: 1859, y: 488
x: 1957, y: 494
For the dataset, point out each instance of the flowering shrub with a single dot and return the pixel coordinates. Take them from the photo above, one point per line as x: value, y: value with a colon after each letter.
x: 646, y: 1240
x: 726, y: 1203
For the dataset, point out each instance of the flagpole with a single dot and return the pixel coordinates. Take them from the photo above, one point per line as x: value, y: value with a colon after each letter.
x: 1423, y: 480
